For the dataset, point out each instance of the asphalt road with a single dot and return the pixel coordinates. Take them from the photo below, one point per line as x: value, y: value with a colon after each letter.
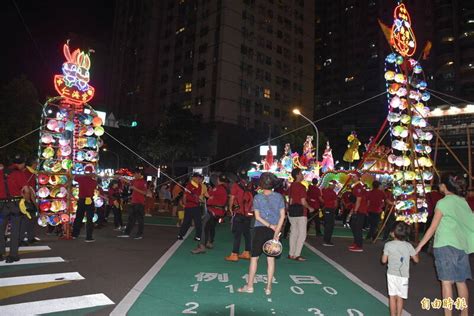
x: 112, y: 266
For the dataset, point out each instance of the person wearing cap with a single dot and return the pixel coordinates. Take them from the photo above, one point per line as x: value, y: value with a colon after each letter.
x: 376, y: 199
x: 136, y: 208
x: 216, y: 210
x: 14, y: 186
x: 330, y: 204
x: 85, y: 204
x: 358, y: 213
x: 192, y: 209
x: 240, y: 221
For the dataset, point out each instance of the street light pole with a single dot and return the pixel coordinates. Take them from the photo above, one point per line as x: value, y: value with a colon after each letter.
x: 297, y: 112
x: 116, y: 156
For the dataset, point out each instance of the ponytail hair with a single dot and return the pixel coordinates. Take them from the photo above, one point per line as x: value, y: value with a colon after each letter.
x: 452, y: 184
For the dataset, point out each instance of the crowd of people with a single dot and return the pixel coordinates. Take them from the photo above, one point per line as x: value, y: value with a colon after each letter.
x: 259, y: 212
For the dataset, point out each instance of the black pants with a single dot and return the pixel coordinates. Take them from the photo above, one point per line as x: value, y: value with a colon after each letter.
x: 10, y: 212
x: 191, y: 214
x: 241, y: 226
x: 136, y: 213
x: 286, y: 229
x: 329, y: 218
x: 345, y: 214
x: 117, y: 216
x: 316, y: 220
x: 389, y: 225
x: 357, y: 223
x: 374, y: 220
x: 82, y: 209
x: 27, y: 227
x: 209, y: 224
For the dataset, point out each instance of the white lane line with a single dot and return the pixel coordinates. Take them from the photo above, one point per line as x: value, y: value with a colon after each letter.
x: 382, y: 298
x: 129, y: 299
x: 40, y: 278
x: 31, y: 248
x: 56, y: 305
x: 32, y: 261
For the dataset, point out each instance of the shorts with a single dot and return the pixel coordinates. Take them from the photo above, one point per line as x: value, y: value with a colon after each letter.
x: 452, y: 264
x: 261, y: 235
x: 397, y: 286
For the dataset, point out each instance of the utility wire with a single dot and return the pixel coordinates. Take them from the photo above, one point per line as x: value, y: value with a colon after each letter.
x: 451, y: 96
x: 21, y: 137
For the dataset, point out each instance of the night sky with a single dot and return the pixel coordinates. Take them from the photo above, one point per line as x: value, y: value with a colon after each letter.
x: 51, y: 23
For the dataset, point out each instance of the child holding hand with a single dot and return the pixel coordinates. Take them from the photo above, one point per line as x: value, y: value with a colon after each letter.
x: 397, y: 254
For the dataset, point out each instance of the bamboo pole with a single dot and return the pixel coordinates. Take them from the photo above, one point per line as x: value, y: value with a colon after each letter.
x: 383, y: 225
x: 435, y: 158
x: 469, y: 156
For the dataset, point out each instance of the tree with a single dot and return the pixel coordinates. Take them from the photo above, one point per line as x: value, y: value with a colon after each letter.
x: 20, y: 112
x: 174, y: 139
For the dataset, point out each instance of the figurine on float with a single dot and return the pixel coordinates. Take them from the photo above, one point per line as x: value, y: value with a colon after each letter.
x: 327, y: 164
x: 286, y: 159
x: 352, y: 152
x: 306, y: 159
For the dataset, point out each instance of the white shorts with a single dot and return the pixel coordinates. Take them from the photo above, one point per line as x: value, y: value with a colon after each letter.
x: 397, y: 286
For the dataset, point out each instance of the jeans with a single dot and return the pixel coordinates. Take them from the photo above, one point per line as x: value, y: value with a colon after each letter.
x: 329, y: 218
x: 10, y: 211
x: 357, y: 223
x: 89, y: 212
x: 191, y: 214
x: 374, y: 219
x: 297, y: 234
x: 136, y: 213
x: 209, y: 228
x: 241, y: 226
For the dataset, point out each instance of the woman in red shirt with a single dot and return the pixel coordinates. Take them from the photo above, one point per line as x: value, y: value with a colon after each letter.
x: 330, y: 207
x: 297, y: 212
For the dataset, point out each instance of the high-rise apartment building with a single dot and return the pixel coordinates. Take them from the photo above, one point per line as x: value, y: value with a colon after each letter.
x: 349, y: 63
x: 453, y: 48
x: 239, y: 65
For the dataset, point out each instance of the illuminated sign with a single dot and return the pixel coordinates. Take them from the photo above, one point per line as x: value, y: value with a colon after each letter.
x: 264, y: 149
x: 73, y: 84
x: 402, y: 36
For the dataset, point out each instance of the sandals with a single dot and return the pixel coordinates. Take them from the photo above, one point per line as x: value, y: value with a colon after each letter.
x: 245, y: 289
x: 268, y: 291
x: 299, y: 258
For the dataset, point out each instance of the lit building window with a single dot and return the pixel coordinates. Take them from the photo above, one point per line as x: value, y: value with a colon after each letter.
x: 447, y: 39
x: 349, y: 79
x: 266, y: 93
x: 449, y: 63
x: 188, y: 87
x: 180, y: 30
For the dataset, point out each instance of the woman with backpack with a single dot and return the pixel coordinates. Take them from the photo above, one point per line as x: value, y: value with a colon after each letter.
x: 269, y: 208
x: 240, y: 204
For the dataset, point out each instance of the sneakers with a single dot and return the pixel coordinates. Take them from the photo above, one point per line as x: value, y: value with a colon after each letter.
x: 200, y: 249
x: 234, y: 257
x: 209, y: 245
x: 124, y: 236
x: 117, y: 229
x: 356, y: 249
x: 90, y: 240
x: 11, y: 259
x: 197, y: 238
x: 245, y: 255
x: 138, y: 237
x: 180, y: 237
x: 328, y: 244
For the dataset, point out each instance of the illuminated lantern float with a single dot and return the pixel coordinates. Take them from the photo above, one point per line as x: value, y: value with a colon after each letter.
x: 407, y: 112
x: 69, y: 140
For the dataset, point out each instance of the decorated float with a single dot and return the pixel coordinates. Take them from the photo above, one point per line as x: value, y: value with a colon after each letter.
x: 69, y: 141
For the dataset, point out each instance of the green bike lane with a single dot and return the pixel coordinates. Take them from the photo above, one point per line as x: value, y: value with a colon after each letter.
x: 206, y: 284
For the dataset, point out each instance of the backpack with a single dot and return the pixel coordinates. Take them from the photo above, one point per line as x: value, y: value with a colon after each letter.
x: 246, y: 209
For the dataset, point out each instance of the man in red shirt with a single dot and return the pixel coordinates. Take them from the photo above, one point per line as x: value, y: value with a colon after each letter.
x: 358, y: 213
x: 215, y: 210
x: 85, y: 204
x: 347, y: 204
x: 136, y: 208
x: 376, y: 202
x: 330, y: 206
x: 240, y: 221
x: 192, y: 209
x: 27, y: 225
x: 315, y: 201
x: 14, y: 187
x: 297, y: 212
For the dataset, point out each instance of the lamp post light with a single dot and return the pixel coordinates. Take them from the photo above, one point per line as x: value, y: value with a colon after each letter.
x: 116, y: 156
x: 298, y: 112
